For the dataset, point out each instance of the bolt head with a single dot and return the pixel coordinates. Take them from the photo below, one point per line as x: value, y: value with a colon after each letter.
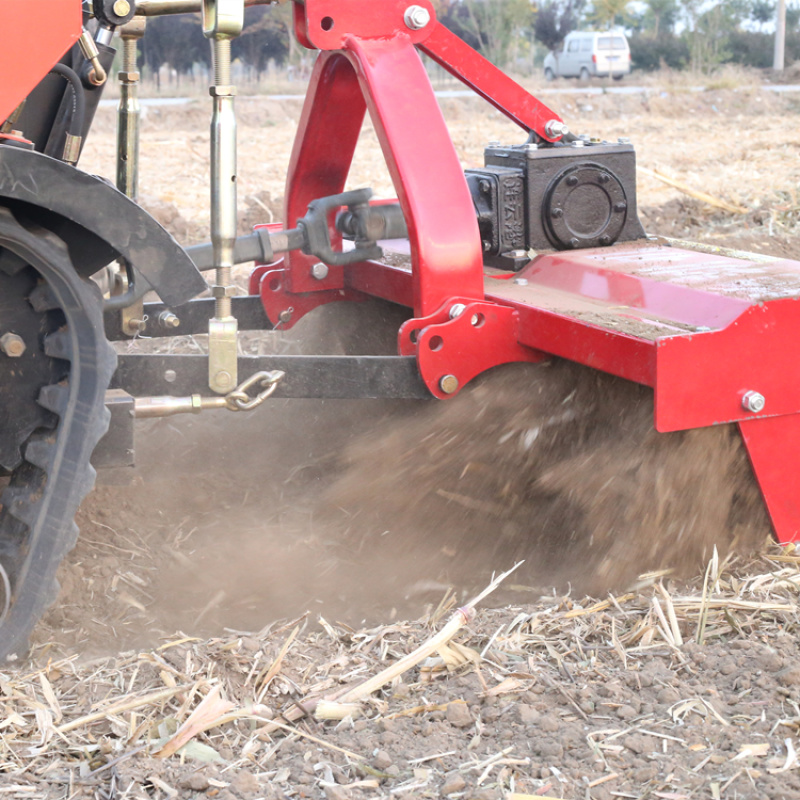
x: 574, y: 242
x: 122, y: 7
x: 605, y: 239
x: 12, y: 345
x: 572, y: 180
x: 456, y: 310
x: 485, y: 186
x: 753, y: 401
x: 521, y: 281
x: 448, y: 384
x: 319, y: 271
x: 416, y: 17
x: 557, y: 213
x: 620, y: 207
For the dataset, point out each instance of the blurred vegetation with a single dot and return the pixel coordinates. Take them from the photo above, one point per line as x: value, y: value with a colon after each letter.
x: 700, y: 35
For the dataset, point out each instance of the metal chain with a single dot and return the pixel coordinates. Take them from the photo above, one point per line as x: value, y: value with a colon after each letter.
x: 240, y: 400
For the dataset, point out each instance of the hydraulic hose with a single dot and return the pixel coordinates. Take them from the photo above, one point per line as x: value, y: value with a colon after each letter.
x: 78, y: 97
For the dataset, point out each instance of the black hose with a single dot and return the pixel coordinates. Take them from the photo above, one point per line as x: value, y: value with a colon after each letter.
x: 78, y: 97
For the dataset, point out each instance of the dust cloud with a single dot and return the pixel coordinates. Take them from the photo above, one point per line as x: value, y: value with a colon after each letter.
x: 364, y: 511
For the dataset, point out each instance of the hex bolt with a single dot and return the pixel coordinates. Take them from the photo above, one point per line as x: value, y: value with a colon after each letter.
x: 485, y: 186
x: 574, y: 242
x: 416, y: 17
x: 456, y: 310
x: 319, y: 271
x: 554, y: 128
x: 487, y: 246
x: 620, y: 207
x: 448, y: 384
x: 603, y: 177
x: 557, y: 213
x: 12, y: 345
x: 168, y: 320
x: 572, y: 180
x: 605, y: 239
x: 753, y: 401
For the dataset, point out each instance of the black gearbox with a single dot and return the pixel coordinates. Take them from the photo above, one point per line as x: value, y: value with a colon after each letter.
x: 561, y: 197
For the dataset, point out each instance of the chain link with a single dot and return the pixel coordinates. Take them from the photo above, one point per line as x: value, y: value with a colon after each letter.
x: 240, y: 400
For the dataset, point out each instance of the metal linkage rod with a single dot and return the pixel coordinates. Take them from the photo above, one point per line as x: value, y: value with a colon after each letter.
x: 223, y: 21
x: 155, y: 8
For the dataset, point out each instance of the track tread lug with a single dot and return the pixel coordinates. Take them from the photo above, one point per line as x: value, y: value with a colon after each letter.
x: 42, y: 299
x: 58, y: 345
x: 39, y: 450
x: 54, y: 398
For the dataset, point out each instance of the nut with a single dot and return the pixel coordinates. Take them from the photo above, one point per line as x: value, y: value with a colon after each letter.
x: 168, y: 319
x: 319, y: 271
x: 555, y: 128
x: 416, y: 17
x: 12, y: 345
x: 753, y: 401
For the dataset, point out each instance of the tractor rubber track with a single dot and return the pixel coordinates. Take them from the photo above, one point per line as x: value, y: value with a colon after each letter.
x: 57, y: 390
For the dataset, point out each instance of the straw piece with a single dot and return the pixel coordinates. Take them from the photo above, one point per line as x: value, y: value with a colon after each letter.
x: 704, y: 197
x: 123, y: 705
x: 206, y: 716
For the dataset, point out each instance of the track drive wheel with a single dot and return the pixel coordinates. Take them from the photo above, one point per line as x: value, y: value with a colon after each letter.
x: 52, y: 415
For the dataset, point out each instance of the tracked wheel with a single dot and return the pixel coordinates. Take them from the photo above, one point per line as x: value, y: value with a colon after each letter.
x: 52, y: 415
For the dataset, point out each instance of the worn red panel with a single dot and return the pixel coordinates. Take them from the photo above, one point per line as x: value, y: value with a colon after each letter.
x: 703, y: 377
x: 33, y: 37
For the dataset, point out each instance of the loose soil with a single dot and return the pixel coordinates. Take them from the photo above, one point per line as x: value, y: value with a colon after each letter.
x: 347, y: 518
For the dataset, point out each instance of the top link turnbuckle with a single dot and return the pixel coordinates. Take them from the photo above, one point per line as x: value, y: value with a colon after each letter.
x: 223, y: 21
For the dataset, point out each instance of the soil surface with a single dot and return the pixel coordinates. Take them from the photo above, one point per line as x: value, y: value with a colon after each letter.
x: 346, y: 518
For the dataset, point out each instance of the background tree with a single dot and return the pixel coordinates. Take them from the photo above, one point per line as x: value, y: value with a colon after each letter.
x: 554, y: 19
x: 493, y: 27
x: 608, y: 13
x: 264, y: 38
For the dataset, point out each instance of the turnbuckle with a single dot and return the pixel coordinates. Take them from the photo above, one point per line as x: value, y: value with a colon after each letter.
x: 237, y: 400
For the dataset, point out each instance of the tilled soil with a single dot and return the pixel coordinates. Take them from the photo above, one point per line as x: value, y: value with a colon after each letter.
x: 366, y: 514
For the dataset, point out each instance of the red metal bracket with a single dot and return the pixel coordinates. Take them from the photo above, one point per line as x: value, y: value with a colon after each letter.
x: 773, y: 445
x: 460, y: 341
x: 505, y: 94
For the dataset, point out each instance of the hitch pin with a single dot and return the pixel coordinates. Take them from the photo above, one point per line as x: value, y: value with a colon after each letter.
x: 237, y: 400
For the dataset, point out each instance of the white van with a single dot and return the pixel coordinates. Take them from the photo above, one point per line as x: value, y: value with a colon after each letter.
x: 588, y: 53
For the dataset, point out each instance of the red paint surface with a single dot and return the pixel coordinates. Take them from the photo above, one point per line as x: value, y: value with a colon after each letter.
x: 35, y: 36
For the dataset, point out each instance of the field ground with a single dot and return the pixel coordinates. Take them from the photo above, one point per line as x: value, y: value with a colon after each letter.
x: 287, y: 547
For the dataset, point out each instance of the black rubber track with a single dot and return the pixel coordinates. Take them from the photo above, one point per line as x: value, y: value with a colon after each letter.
x: 38, y: 505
